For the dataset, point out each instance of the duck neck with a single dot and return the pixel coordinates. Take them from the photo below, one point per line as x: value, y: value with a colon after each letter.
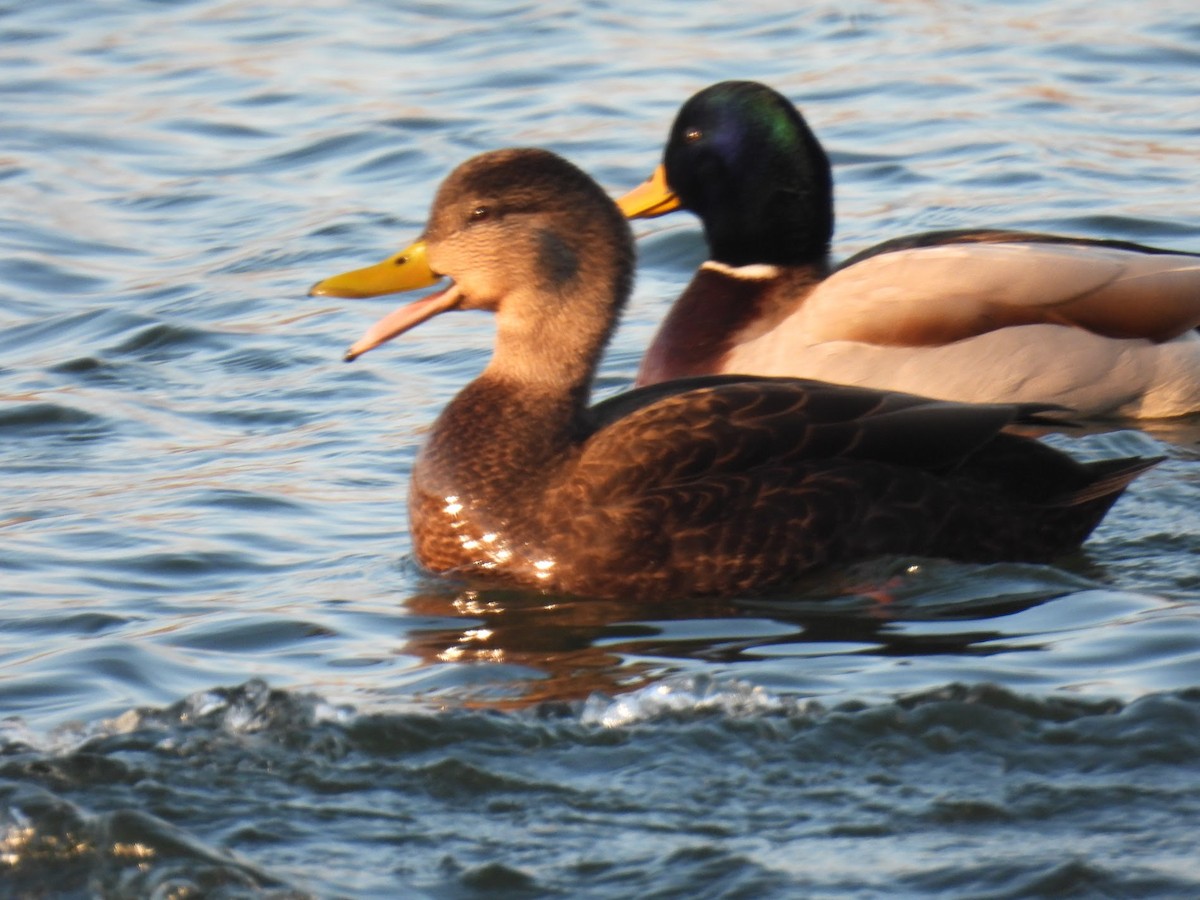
x: 779, y: 230
x: 552, y: 354
x: 509, y: 430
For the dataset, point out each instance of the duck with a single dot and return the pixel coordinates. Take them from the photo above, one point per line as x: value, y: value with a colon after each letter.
x: 1104, y: 327
x: 711, y: 486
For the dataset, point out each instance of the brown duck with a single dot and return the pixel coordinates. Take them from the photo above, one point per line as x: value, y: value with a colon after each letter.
x: 716, y: 485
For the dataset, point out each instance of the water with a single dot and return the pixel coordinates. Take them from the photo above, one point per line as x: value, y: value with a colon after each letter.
x: 221, y: 673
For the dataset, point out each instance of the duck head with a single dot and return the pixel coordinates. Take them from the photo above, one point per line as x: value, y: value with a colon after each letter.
x: 522, y: 233
x: 742, y: 158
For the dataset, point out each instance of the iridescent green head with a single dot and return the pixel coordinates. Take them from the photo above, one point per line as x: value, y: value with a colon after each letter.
x: 743, y: 159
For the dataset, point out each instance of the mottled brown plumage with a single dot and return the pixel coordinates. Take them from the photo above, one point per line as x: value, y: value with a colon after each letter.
x: 718, y: 485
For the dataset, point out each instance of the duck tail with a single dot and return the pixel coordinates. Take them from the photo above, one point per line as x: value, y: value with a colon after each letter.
x: 1109, y: 479
x: 1074, y: 514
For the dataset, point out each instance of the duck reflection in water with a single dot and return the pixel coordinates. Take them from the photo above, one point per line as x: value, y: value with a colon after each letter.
x: 537, y: 649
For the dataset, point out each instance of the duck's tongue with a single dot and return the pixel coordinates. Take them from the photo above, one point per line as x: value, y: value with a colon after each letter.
x: 401, y: 320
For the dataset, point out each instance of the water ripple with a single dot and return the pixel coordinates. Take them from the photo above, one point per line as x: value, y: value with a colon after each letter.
x: 1001, y: 758
x: 34, y: 421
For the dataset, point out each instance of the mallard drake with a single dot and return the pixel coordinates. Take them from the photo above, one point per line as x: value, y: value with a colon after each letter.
x: 1106, y: 328
x: 709, y: 486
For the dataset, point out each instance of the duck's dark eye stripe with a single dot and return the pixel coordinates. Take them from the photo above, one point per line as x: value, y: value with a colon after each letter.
x: 479, y: 213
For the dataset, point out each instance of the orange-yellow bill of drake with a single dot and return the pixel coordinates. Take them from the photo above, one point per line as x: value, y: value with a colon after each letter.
x: 651, y: 198
x: 407, y: 270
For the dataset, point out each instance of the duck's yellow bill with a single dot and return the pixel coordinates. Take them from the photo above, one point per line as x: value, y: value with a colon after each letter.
x: 406, y: 271
x: 651, y: 198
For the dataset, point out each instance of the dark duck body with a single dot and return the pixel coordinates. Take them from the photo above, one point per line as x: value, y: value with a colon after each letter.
x: 712, y: 486
x: 1106, y: 328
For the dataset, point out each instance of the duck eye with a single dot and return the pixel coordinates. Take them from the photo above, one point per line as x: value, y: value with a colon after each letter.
x: 478, y: 214
x: 692, y: 135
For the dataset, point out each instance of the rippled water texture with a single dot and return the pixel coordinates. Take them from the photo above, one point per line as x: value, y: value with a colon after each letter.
x: 221, y: 673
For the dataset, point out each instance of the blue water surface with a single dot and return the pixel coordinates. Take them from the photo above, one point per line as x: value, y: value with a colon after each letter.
x: 221, y: 672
